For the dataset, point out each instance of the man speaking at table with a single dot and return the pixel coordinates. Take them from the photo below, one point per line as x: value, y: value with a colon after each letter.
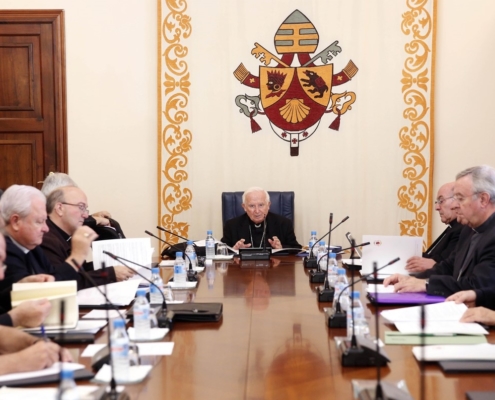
x: 472, y: 264
x: 249, y: 230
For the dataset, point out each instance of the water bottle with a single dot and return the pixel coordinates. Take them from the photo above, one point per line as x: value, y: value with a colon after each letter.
x: 210, y: 273
x: 210, y: 245
x: 312, y: 241
x: 180, y: 273
x: 360, y: 324
x: 332, y: 270
x: 340, y: 284
x: 67, y: 388
x: 119, y: 345
x: 191, y: 253
x: 321, y: 258
x: 156, y: 290
x: 141, y: 311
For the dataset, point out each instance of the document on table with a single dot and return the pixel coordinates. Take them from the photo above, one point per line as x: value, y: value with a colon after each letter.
x: 89, y: 326
x: 54, y: 369
x: 445, y: 311
x: 119, y: 293
x: 372, y: 288
x: 138, y: 250
x: 441, y: 328
x: 137, y: 373
x: 475, y: 352
x: 102, y: 314
x: 415, y: 339
x: 145, y: 349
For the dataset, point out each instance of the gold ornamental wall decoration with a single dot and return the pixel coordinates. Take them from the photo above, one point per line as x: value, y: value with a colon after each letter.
x: 416, y: 137
x: 174, y: 139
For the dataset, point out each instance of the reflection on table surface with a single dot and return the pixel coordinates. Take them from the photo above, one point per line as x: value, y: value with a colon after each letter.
x: 273, y: 343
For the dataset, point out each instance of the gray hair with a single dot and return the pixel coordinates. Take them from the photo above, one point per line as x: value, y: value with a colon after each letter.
x: 255, y: 189
x: 483, y: 178
x: 54, y: 180
x: 55, y: 196
x: 17, y: 199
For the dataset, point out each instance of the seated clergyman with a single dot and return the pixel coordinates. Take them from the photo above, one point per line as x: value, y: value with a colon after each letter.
x: 249, y: 230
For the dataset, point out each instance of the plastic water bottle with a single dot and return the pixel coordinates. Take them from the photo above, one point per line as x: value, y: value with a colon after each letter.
x: 332, y: 270
x: 210, y: 273
x: 119, y: 344
x: 141, y: 311
x: 67, y: 387
x: 156, y: 290
x: 312, y: 241
x: 360, y: 324
x: 210, y: 245
x: 321, y: 258
x: 191, y: 253
x: 180, y: 273
x: 340, y: 284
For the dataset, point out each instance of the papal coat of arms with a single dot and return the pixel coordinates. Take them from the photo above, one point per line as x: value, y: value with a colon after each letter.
x: 294, y: 99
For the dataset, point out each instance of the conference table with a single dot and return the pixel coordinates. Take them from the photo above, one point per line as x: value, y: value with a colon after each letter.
x: 273, y: 342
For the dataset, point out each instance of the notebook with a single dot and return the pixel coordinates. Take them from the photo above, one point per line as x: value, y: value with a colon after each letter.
x: 383, y: 249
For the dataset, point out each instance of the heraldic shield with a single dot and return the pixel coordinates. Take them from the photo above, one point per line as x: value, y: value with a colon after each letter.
x: 294, y: 99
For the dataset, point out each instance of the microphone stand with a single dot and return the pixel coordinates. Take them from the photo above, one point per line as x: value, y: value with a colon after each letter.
x: 386, y: 391
x: 337, y: 318
x: 164, y: 317
x: 317, y: 275
x: 102, y: 354
x: 310, y: 260
x: 176, y: 235
x: 191, y: 274
x: 326, y: 293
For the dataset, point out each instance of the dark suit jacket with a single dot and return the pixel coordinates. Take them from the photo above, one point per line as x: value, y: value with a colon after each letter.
x: 445, y: 244
x: 479, y: 273
x: 276, y: 225
x: 18, y: 268
x: 57, y: 247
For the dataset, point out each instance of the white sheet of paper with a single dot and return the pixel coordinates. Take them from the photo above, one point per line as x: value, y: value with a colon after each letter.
x: 137, y: 373
x: 185, y: 285
x: 145, y: 349
x: 441, y: 327
x: 101, y: 314
x: 54, y: 369
x: 119, y: 293
x: 383, y: 249
x: 482, y: 351
x: 138, y: 250
x: 445, y: 311
x: 155, y: 334
x: 349, y: 261
x: 372, y: 288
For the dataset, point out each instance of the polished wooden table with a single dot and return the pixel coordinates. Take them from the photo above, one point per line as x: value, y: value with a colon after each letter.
x: 273, y: 343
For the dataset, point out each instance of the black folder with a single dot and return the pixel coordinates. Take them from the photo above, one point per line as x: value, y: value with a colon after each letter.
x: 467, y: 366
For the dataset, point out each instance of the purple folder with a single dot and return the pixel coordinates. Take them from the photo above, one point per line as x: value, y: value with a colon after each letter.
x: 404, y: 298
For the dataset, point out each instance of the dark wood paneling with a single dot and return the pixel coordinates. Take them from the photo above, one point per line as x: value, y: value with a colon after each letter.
x: 33, y: 112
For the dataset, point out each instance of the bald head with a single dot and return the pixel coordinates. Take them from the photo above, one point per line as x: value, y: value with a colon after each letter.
x: 444, y: 203
x: 67, y: 208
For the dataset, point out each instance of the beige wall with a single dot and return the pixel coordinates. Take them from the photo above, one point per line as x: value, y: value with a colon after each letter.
x: 111, y: 83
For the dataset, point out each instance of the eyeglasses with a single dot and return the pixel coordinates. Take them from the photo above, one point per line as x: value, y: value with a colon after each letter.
x: 461, y: 198
x: 441, y: 201
x: 82, y: 207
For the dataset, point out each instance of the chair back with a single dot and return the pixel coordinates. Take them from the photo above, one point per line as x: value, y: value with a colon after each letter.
x: 282, y: 203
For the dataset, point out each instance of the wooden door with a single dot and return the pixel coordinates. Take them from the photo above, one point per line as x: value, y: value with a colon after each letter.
x: 33, y: 112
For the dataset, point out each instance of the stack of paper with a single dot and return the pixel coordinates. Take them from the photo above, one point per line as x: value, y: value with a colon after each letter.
x: 474, y: 352
x: 55, y: 292
x: 119, y: 293
x: 441, y: 319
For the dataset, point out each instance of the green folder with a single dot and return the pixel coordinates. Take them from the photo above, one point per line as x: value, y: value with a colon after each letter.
x: 406, y: 338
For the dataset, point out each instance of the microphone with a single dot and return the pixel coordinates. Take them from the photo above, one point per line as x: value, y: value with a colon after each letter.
x: 310, y: 260
x: 355, y: 247
x: 318, y: 276
x: 104, y: 356
x: 191, y: 274
x: 163, y: 316
x: 337, y: 317
x: 257, y: 254
x: 172, y: 233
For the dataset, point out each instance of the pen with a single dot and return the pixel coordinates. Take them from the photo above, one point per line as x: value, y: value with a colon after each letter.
x: 43, y: 333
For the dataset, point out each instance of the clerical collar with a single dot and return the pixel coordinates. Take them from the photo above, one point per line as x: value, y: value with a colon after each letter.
x: 23, y: 249
x: 62, y: 233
